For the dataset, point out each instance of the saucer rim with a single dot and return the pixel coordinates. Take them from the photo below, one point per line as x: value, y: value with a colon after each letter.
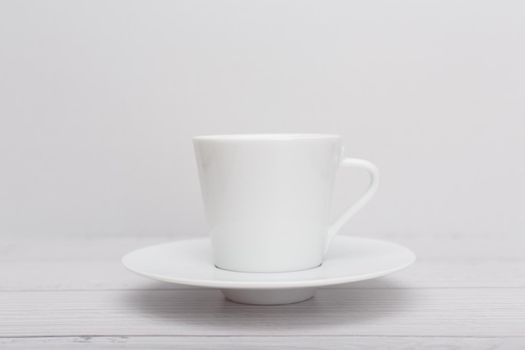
x: 224, y: 284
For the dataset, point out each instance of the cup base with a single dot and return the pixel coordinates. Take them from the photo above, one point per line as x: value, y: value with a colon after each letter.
x: 263, y: 271
x: 268, y: 296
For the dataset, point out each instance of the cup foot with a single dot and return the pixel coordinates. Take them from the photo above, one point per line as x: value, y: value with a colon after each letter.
x: 268, y: 296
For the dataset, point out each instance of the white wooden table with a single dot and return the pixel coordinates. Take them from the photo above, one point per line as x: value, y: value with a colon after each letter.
x: 465, y: 291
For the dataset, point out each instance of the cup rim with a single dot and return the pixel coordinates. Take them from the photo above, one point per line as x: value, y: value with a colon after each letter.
x: 265, y: 137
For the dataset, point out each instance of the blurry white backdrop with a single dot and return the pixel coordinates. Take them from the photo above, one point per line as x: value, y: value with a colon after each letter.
x: 99, y: 101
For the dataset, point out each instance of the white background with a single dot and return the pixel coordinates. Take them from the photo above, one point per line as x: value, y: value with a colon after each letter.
x: 99, y: 101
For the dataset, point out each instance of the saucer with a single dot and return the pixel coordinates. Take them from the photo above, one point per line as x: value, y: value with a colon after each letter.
x: 189, y: 262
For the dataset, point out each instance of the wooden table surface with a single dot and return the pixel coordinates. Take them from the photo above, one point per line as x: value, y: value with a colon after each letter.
x: 465, y: 291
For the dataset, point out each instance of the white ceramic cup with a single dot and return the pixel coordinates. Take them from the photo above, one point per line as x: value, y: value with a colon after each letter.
x: 268, y: 198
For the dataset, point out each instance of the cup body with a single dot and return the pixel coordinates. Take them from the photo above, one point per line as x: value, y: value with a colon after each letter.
x: 267, y: 198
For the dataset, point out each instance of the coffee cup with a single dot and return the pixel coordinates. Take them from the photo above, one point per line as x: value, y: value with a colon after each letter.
x: 267, y: 198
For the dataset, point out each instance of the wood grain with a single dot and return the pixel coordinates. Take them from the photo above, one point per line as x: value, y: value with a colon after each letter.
x: 76, y: 264
x: 386, y: 311
x: 252, y: 343
x: 82, y: 275
x: 78, y: 248
x: 463, y: 292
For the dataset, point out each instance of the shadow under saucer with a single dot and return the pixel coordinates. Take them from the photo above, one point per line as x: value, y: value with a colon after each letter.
x: 346, y: 304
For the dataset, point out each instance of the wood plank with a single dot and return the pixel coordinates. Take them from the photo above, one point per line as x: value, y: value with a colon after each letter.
x: 110, y: 275
x: 333, y: 312
x: 76, y: 263
x: 460, y: 249
x: 252, y: 343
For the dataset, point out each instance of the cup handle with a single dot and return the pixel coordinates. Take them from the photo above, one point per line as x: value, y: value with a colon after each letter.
x: 354, y: 208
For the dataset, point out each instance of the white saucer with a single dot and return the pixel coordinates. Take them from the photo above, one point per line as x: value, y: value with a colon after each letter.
x: 188, y: 262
